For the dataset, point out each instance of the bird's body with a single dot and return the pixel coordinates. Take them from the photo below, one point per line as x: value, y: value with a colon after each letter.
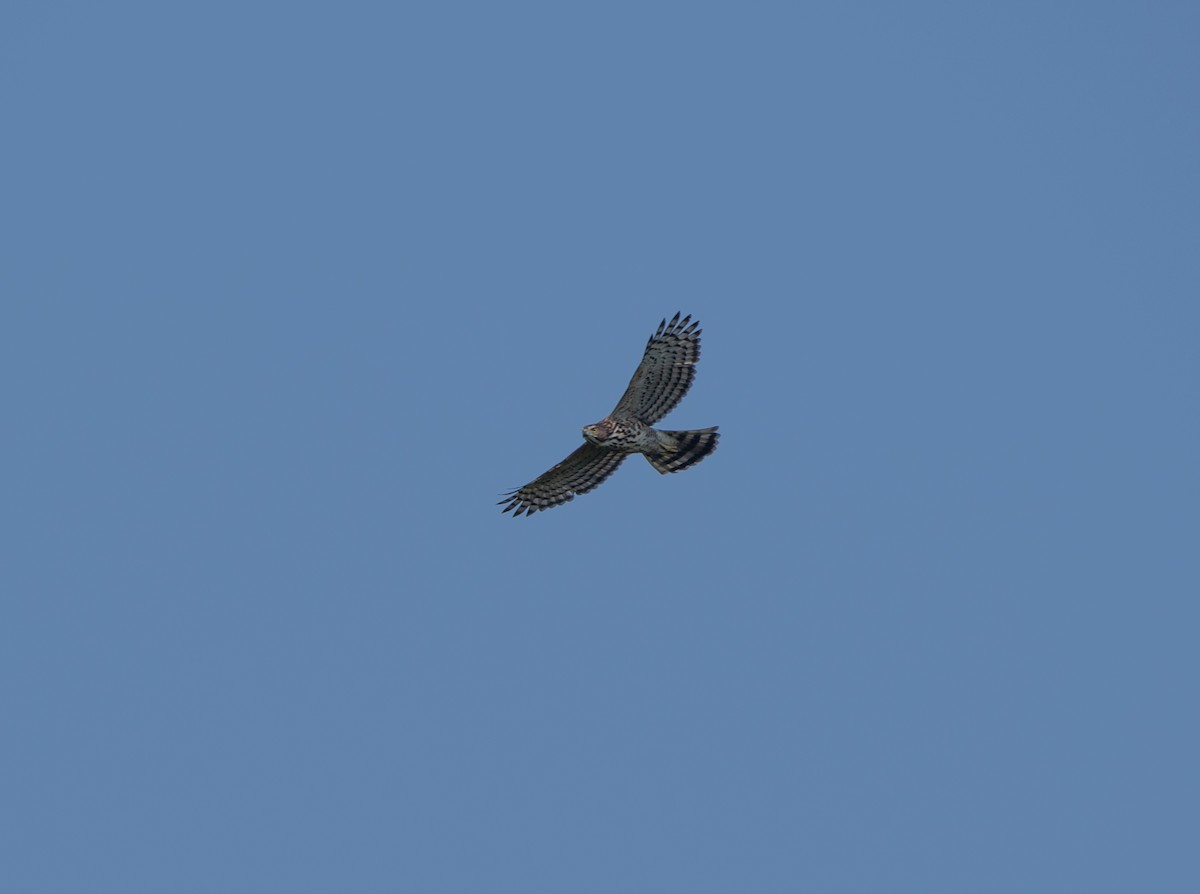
x: 660, y: 382
x: 667, y: 451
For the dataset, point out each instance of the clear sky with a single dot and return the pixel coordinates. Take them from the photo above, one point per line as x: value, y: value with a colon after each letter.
x: 291, y: 292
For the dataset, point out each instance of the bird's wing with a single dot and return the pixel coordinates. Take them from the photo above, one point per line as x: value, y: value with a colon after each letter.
x: 580, y: 472
x: 665, y: 373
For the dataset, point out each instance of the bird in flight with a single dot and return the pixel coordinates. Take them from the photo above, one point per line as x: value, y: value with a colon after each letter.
x: 659, y: 384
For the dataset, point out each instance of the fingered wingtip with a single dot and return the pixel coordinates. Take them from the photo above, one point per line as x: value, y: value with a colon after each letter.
x: 679, y: 325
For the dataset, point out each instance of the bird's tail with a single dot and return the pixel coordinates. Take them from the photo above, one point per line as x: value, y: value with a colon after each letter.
x: 682, y: 449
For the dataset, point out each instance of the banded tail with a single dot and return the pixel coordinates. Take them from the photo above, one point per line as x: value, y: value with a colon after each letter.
x: 682, y: 449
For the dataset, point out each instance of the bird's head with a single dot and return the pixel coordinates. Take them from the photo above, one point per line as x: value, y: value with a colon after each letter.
x: 598, y: 433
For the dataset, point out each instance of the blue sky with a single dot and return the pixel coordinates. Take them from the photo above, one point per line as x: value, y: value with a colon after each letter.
x: 292, y: 293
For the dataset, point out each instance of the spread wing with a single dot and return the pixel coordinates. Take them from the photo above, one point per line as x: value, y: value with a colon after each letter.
x: 580, y: 472
x: 665, y: 373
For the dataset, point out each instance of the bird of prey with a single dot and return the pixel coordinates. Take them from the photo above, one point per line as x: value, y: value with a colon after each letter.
x: 662, y: 379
